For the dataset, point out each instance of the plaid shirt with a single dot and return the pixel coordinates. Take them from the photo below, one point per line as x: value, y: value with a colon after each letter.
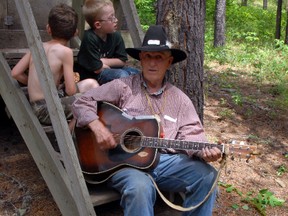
x: 179, y: 119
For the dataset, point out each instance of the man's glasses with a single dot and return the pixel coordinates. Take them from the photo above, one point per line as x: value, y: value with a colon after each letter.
x: 109, y: 19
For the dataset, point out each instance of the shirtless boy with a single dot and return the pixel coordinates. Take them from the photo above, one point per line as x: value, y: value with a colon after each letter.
x: 62, y: 26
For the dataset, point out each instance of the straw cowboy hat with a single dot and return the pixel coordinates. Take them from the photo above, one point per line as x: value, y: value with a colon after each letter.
x: 156, y: 40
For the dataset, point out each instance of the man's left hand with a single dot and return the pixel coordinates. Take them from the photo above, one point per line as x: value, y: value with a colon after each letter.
x: 210, y: 155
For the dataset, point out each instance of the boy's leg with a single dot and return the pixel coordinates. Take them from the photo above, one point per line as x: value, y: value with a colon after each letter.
x: 108, y: 75
x: 87, y: 84
x: 40, y: 110
x: 131, y: 70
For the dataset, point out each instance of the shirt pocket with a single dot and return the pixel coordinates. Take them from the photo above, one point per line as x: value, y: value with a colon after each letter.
x: 170, y: 127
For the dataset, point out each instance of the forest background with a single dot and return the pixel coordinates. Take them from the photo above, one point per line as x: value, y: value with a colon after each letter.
x: 246, y: 98
x: 254, y: 51
x: 250, y: 42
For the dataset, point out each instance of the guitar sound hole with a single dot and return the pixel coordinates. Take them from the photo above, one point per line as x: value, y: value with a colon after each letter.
x: 132, y: 140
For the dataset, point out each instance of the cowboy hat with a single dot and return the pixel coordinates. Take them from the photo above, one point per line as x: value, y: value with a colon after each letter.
x: 155, y: 40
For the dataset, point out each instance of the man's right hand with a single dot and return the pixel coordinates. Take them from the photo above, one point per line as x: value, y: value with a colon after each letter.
x: 104, y: 137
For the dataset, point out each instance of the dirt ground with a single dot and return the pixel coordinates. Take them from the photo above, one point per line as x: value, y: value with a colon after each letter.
x: 254, y: 121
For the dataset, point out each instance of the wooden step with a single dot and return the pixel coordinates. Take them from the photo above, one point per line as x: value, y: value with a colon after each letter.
x: 13, y: 55
x: 101, y: 194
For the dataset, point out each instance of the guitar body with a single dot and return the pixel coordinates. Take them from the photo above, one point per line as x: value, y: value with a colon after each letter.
x: 98, y: 165
x: 137, y: 143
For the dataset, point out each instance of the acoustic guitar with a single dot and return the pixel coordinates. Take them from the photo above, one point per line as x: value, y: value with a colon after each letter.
x: 138, y: 142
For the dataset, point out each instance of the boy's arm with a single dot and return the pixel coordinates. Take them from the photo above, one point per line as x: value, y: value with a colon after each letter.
x: 112, y: 62
x: 18, y: 72
x: 119, y: 57
x: 70, y: 86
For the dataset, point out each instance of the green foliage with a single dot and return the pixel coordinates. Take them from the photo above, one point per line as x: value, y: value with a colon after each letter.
x: 263, y: 199
x: 226, y: 113
x: 281, y: 170
x: 230, y: 188
x: 147, y: 12
x: 250, y: 44
x: 237, y: 98
x: 235, y: 206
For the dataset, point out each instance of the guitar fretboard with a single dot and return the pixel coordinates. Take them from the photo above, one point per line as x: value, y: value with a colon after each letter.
x: 154, y: 142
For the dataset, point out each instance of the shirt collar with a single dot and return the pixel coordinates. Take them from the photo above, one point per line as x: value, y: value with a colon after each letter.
x: 159, y: 92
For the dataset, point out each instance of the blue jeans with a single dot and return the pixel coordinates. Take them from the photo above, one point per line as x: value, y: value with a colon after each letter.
x: 110, y: 74
x: 174, y: 173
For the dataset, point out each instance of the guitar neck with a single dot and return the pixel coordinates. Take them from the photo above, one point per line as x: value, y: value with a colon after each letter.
x: 154, y: 142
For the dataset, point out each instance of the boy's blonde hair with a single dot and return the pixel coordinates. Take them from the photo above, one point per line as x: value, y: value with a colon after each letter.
x: 92, y: 10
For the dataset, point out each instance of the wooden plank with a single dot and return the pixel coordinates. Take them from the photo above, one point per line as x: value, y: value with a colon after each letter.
x: 3, y: 14
x: 17, y: 53
x: 64, y: 139
x: 36, y: 140
x: 77, y: 5
x: 16, y: 38
x: 118, y: 13
x: 40, y: 8
x: 133, y: 21
x: 14, y: 53
x: 101, y: 194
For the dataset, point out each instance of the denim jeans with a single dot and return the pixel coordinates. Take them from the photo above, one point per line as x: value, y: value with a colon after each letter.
x: 175, y: 173
x: 110, y: 74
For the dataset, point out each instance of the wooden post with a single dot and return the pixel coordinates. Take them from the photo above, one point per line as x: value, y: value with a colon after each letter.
x: 36, y: 140
x: 133, y: 21
x: 60, y: 126
x: 77, y: 5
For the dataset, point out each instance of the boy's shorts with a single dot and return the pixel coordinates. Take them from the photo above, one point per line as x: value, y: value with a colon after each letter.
x: 40, y: 108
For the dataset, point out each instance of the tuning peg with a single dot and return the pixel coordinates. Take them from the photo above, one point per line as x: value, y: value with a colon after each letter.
x: 248, y: 156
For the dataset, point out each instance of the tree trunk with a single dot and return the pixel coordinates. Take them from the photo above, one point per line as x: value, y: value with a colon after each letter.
x: 244, y: 2
x: 220, y: 21
x: 184, y: 21
x: 286, y: 29
x: 265, y: 4
x: 278, y: 20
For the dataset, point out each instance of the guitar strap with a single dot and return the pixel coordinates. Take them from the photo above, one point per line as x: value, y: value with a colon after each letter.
x: 180, y: 208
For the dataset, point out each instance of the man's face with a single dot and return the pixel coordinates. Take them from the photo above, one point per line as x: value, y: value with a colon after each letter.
x: 155, y: 64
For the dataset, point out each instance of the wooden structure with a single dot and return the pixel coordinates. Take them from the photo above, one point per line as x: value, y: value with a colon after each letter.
x: 66, y: 183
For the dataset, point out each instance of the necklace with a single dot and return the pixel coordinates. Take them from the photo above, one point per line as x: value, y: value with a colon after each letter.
x: 161, y: 108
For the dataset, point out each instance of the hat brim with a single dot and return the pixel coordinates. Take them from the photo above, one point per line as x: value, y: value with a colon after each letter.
x: 178, y: 55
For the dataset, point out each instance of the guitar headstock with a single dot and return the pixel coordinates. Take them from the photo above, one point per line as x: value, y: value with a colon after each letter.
x: 240, y: 150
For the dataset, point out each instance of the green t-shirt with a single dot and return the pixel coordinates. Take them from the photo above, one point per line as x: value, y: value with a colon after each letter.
x: 93, y: 48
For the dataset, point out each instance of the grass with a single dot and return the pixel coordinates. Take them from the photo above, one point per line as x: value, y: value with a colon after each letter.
x: 251, y: 47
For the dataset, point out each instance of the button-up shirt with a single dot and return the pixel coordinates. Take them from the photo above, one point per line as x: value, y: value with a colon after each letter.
x: 178, y: 117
